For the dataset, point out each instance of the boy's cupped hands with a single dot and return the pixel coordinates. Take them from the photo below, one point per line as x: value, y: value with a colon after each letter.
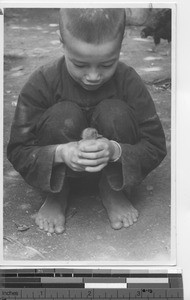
x: 86, y: 155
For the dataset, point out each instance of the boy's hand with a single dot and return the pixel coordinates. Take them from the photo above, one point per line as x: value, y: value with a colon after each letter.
x: 85, y: 155
x: 69, y: 154
x: 95, y: 154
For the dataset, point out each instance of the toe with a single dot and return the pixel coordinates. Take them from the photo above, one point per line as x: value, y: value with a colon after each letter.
x: 51, y: 228
x: 130, y: 220
x: 126, y: 222
x: 134, y: 217
x: 116, y: 225
x: 46, y: 225
x: 59, y: 229
x: 37, y: 220
x: 136, y: 213
x: 40, y: 223
x: 60, y: 225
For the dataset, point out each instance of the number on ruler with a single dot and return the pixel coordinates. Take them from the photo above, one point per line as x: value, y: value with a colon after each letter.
x: 134, y: 293
x: 89, y: 294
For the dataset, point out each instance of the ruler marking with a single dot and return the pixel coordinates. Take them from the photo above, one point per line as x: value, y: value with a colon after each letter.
x: 165, y: 293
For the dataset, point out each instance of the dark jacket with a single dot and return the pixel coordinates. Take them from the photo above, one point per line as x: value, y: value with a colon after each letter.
x: 51, y: 84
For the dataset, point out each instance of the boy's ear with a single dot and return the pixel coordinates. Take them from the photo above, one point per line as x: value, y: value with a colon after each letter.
x: 60, y: 38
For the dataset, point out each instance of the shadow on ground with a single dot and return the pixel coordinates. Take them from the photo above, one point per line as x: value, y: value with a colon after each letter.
x: 31, y: 40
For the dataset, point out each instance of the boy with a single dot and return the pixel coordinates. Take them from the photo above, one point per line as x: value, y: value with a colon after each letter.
x: 87, y: 87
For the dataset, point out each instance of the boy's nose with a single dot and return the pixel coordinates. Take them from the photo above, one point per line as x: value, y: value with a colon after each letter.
x: 93, y: 76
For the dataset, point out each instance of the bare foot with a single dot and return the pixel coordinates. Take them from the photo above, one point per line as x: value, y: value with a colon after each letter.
x: 120, y: 211
x: 51, y: 216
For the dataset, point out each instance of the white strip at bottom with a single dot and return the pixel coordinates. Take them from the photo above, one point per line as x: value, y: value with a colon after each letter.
x: 97, y: 285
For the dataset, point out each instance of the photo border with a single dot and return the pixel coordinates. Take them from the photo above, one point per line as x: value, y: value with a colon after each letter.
x: 100, y: 264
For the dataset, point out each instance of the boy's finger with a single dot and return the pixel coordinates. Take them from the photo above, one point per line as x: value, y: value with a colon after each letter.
x: 91, y: 147
x: 92, y: 162
x: 95, y: 169
x: 93, y: 155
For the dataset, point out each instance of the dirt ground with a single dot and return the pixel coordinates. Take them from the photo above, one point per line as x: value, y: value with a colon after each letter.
x: 31, y: 40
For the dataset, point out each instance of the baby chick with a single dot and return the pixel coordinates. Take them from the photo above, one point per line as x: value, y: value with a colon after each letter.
x: 90, y: 133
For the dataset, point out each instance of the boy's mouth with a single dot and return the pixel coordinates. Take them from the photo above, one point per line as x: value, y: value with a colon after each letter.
x: 91, y: 86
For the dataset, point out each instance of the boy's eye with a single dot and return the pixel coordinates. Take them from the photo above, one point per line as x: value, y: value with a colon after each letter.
x: 79, y: 66
x: 107, y: 65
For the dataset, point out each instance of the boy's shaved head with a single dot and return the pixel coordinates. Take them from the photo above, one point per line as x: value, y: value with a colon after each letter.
x: 93, y: 26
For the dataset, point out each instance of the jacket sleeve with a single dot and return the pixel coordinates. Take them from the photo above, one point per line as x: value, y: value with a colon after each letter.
x: 138, y: 160
x: 35, y: 163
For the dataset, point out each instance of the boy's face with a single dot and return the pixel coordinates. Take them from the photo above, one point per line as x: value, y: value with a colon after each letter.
x: 91, y: 65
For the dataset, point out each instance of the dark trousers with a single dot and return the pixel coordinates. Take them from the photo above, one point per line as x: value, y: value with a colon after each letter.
x: 64, y: 122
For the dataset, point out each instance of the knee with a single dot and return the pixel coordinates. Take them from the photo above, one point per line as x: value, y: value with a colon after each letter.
x: 116, y: 120
x: 64, y: 119
x: 66, y: 115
